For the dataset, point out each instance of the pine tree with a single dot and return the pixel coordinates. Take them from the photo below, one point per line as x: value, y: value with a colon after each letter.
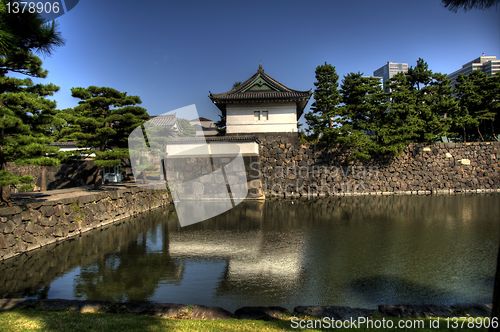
x: 441, y: 106
x: 102, y: 121
x: 479, y: 105
x: 362, y: 113
x: 26, y: 115
x: 433, y: 100
x: 325, y: 109
x: 402, y: 123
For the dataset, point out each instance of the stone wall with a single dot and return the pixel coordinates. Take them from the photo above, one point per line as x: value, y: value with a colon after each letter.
x: 67, y: 175
x: 38, y: 222
x: 201, y: 177
x: 70, y: 174
x: 289, y: 168
x: 23, y: 275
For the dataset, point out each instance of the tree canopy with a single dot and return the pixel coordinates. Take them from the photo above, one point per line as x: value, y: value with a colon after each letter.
x: 26, y: 113
x: 455, y: 5
x: 419, y: 106
x: 325, y: 109
x: 102, y: 121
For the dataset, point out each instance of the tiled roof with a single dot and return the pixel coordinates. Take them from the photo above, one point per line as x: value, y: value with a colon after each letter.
x: 162, y: 120
x: 268, y: 95
x: 210, y: 139
x: 258, y: 89
x: 260, y: 86
x: 202, y: 119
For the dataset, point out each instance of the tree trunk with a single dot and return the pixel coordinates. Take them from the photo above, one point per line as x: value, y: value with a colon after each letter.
x: 43, y: 179
x: 480, y: 135
x: 5, y: 195
x: 98, y: 178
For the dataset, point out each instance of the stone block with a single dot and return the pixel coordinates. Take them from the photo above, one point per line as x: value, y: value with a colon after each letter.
x: 9, y: 211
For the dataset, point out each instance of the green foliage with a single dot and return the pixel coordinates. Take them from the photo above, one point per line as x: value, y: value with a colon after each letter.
x: 26, y: 113
x: 103, y: 119
x: 111, y: 158
x: 325, y: 109
x: 434, y: 102
x: 21, y: 35
x: 479, y: 106
x: 9, y: 179
x: 455, y: 5
x: 360, y: 116
x: 421, y: 106
x: 25, y: 119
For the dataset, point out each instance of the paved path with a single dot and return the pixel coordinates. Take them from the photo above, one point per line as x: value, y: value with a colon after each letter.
x: 53, y: 195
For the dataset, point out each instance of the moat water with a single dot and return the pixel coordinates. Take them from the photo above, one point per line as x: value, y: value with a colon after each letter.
x: 352, y: 251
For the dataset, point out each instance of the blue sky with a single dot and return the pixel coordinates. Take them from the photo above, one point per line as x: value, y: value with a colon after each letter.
x: 171, y: 53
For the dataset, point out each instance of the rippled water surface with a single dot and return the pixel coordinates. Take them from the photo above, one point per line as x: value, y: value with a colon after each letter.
x: 355, y: 251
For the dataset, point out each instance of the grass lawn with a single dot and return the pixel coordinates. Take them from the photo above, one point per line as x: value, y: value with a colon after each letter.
x: 35, y: 320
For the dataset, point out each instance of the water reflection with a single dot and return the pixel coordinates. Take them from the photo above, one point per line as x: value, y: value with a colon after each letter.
x: 358, y: 251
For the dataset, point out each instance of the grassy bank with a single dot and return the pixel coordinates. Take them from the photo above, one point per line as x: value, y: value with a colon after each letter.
x: 35, y: 320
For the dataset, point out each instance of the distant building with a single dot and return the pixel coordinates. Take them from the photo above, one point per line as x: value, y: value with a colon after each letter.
x: 387, y: 71
x: 261, y: 104
x: 168, y: 121
x: 486, y: 63
x: 204, y: 126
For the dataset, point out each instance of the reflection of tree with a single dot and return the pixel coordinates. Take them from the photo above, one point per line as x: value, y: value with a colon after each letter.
x: 26, y: 275
x: 132, y: 274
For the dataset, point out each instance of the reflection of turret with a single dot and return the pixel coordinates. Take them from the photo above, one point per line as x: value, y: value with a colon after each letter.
x: 257, y: 255
x: 246, y: 252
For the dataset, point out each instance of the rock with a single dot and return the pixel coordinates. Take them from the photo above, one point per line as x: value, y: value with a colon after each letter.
x: 178, y: 311
x: 29, y: 238
x: 336, y: 312
x: 415, y: 310
x: 7, y: 226
x: 47, y: 210
x: 262, y: 313
x: 9, y: 211
x: 474, y: 310
x: 3, y: 243
x: 464, y: 161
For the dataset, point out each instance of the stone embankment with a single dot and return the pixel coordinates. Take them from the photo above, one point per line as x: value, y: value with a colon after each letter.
x: 292, y: 169
x: 181, y: 311
x: 39, y: 220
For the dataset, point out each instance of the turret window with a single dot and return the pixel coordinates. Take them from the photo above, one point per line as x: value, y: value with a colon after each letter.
x: 261, y: 115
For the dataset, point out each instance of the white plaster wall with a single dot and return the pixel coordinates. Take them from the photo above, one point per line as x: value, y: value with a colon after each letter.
x: 240, y: 118
x: 213, y: 149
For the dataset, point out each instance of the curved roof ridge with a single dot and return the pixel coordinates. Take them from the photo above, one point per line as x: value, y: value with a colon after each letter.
x: 274, y: 84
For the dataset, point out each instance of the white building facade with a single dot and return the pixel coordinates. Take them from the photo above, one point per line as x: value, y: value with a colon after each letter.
x: 489, y: 64
x: 387, y: 71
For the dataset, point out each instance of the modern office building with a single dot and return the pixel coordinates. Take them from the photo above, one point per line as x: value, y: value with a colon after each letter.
x: 486, y: 63
x: 387, y: 71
